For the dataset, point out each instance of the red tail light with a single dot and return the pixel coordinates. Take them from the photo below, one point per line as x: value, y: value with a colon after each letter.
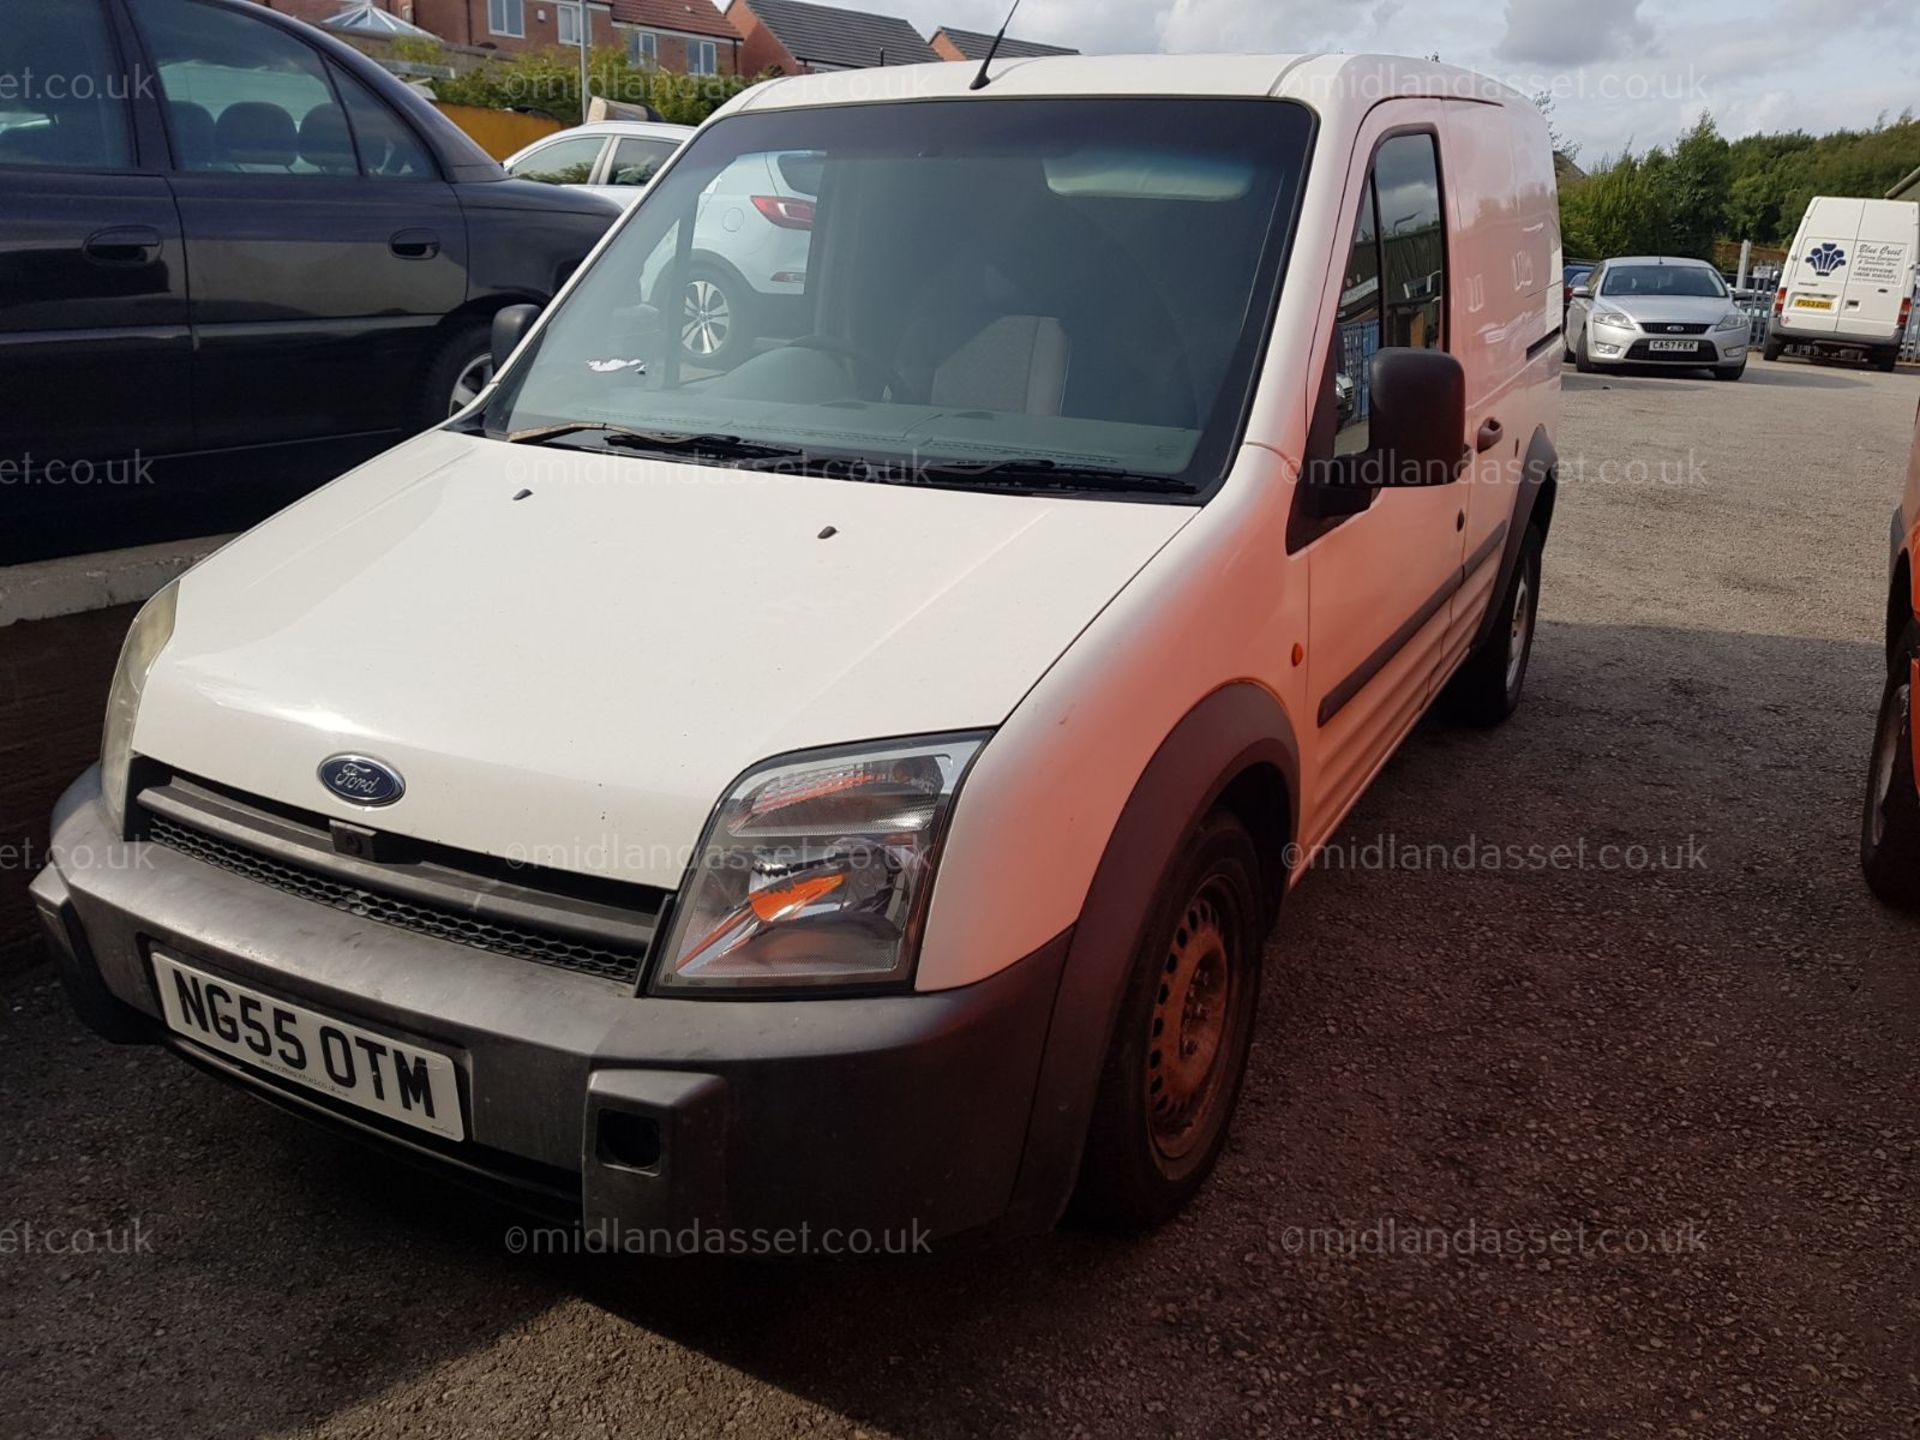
x: 1906, y: 313
x: 1780, y: 301
x: 786, y: 212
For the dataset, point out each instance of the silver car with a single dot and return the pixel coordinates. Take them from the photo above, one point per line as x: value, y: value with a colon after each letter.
x: 1655, y: 310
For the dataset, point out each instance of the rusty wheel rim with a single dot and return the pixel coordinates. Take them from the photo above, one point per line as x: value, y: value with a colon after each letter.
x: 1191, y: 1020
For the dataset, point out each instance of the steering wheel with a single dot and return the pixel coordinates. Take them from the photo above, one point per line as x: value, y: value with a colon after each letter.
x: 864, y: 364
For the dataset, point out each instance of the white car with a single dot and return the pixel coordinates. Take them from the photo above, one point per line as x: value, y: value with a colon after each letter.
x: 849, y: 794
x: 750, y: 239
x: 614, y: 158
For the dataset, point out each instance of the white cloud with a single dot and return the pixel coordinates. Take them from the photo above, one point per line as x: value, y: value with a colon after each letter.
x: 1573, y: 32
x: 1625, y: 71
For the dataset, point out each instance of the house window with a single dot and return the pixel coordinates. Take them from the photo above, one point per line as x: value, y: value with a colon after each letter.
x: 507, y: 17
x: 643, y: 47
x: 703, y: 57
x: 568, y: 18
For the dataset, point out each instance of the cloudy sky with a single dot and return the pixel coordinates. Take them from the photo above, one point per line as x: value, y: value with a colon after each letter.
x: 1628, y: 71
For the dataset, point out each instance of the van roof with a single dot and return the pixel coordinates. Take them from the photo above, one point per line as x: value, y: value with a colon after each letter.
x: 1329, y: 83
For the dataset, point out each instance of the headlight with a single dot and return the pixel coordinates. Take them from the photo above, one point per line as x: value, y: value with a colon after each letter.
x: 817, y: 871
x: 1734, y: 320
x: 147, y: 637
x: 1614, y: 319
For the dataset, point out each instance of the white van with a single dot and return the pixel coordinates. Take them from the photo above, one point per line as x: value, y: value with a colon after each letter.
x: 1848, y: 283
x: 853, y: 788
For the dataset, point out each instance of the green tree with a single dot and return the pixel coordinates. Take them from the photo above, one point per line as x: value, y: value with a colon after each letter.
x: 1698, y: 183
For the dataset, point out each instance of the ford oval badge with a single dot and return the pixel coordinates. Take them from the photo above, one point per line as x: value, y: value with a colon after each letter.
x: 361, y: 781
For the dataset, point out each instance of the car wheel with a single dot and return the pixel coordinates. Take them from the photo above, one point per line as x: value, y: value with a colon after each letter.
x: 1179, y: 1049
x: 1488, y: 687
x: 1774, y: 348
x: 718, y: 327
x: 1730, y: 372
x: 460, y: 369
x: 1582, y: 358
x: 1890, y: 820
x: 1887, y: 361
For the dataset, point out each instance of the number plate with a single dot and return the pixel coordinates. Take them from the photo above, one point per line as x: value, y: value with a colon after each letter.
x: 1670, y: 347
x: 375, y: 1072
x: 1808, y: 302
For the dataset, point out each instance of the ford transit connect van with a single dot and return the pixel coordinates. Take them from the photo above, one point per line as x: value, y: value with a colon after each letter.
x: 854, y: 787
x: 1848, y: 283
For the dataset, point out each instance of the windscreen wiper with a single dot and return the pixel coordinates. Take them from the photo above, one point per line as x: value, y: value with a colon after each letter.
x: 659, y: 442
x: 1040, y: 474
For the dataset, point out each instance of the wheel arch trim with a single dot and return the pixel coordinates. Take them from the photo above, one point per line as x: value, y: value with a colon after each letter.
x: 1237, y: 745
x: 1533, y: 505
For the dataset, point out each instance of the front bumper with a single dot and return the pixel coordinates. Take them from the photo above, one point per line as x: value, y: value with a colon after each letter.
x: 1614, y: 345
x: 646, y: 1116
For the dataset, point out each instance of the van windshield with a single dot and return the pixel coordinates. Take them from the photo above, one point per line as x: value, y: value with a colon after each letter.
x: 1693, y: 281
x: 1052, y: 292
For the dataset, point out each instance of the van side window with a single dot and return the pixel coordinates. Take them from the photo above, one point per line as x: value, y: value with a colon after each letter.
x: 1358, y: 333
x: 1395, y: 288
x: 1406, y: 177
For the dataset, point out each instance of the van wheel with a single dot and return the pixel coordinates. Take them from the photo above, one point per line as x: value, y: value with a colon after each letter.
x: 1887, y: 361
x: 1488, y: 687
x: 460, y: 369
x: 1582, y: 360
x: 1774, y: 348
x: 1179, y: 1049
x: 1890, y: 820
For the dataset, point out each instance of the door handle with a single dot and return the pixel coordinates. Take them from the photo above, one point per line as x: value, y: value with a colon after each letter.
x: 1490, y: 436
x: 415, y: 244
x: 123, y: 246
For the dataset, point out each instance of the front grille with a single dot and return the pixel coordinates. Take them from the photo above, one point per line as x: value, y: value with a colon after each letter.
x: 565, y: 952
x: 1664, y: 328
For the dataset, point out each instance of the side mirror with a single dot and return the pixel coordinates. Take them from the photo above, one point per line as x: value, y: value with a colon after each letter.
x: 510, y: 327
x: 1417, y: 429
x: 1583, y: 292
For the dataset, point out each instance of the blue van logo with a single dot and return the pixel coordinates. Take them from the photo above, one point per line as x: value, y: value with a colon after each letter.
x: 361, y: 781
x: 1827, y: 258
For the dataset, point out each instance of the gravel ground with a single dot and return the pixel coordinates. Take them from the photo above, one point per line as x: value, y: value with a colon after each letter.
x: 1612, y: 1144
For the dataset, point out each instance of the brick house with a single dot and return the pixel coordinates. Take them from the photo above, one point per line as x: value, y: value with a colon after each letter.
x: 791, y: 37
x: 688, y: 36
x: 953, y: 43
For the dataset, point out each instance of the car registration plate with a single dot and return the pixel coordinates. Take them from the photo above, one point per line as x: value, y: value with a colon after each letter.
x: 1669, y: 347
x: 1809, y: 302
x: 401, y: 1081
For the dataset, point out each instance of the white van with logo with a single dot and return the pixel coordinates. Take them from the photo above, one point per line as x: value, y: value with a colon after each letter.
x: 853, y: 787
x: 1847, y: 286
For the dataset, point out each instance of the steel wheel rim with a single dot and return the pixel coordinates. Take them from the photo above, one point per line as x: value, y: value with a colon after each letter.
x: 1519, y: 630
x: 709, y: 318
x: 1886, y: 753
x: 475, y: 377
x: 1191, y: 1026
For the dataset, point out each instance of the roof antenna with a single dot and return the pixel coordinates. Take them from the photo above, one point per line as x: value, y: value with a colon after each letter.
x: 981, y: 80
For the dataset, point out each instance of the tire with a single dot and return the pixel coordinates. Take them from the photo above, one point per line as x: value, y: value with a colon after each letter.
x: 718, y: 328
x: 1488, y: 687
x: 1890, y: 818
x: 1886, y: 361
x: 1729, y: 372
x: 1773, y: 349
x: 462, y: 366
x: 1178, y: 1055
x: 1582, y: 360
